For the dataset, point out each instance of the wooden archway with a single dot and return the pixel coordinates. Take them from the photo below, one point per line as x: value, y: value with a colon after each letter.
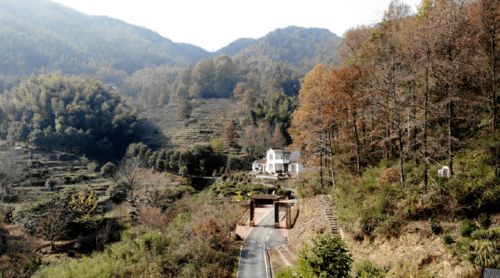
x: 257, y: 199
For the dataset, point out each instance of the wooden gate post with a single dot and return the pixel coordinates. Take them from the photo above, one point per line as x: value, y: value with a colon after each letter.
x: 288, y: 217
x: 276, y: 215
x: 252, y: 213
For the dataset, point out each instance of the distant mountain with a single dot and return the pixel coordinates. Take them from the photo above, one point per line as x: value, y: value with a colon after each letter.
x: 40, y: 35
x: 301, y: 47
x: 37, y: 34
x: 235, y: 47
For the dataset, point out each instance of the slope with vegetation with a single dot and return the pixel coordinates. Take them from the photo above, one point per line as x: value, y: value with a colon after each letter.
x: 414, y: 93
x: 60, y: 113
x: 40, y: 34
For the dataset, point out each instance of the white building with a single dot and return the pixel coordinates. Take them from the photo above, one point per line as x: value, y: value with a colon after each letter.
x: 279, y: 161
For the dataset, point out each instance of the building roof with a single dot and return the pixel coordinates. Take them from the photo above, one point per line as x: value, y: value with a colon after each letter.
x: 260, y: 161
x: 265, y: 197
x: 491, y: 273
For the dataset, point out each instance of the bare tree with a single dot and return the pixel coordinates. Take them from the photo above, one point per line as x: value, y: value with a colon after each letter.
x: 127, y: 172
x: 53, y: 225
x: 11, y: 170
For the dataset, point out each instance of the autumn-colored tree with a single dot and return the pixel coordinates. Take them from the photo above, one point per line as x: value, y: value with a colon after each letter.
x: 310, y: 124
x: 229, y: 134
x: 278, y: 140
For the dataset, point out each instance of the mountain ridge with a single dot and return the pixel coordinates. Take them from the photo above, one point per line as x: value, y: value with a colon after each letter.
x: 41, y: 35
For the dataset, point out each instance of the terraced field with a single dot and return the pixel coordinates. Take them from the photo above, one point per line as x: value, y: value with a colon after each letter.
x: 65, y: 170
x: 206, y: 121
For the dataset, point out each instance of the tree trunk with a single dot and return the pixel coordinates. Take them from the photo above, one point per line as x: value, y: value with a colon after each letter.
x: 388, y: 147
x: 330, y: 152
x: 321, y: 168
x: 451, y: 116
x: 426, y: 138
x: 363, y: 130
x: 414, y: 148
x: 401, y: 157
x: 356, y: 139
x: 493, y: 81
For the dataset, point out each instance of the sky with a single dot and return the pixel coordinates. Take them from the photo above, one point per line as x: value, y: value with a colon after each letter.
x: 213, y: 24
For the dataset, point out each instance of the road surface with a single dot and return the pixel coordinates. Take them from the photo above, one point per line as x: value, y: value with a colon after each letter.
x: 253, y: 260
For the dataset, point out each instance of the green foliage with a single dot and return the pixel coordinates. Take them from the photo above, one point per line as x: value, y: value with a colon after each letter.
x: 484, y: 253
x: 77, y: 205
x: 366, y: 269
x: 436, y: 228
x: 195, y: 243
x: 198, y: 160
x: 76, y: 43
x: 484, y: 220
x: 492, y: 234
x: 108, y: 170
x: 308, y: 186
x: 467, y: 227
x: 239, y: 189
x: 217, y: 145
x: 390, y: 226
x: 92, y: 166
x: 475, y: 188
x: 327, y: 257
x: 70, y: 114
x: 448, y: 239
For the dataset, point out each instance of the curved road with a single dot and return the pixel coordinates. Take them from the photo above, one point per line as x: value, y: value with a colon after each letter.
x: 253, y: 260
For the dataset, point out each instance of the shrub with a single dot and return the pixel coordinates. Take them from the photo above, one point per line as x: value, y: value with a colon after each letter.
x: 119, y: 192
x: 484, y: 220
x: 390, y: 227
x: 368, y: 224
x: 366, y: 269
x: 183, y: 171
x: 108, y: 170
x: 51, y: 184
x: 91, y: 166
x: 467, y: 227
x: 484, y: 253
x: 436, y: 228
x: 328, y: 257
x: 447, y: 239
x: 389, y: 175
x: 493, y: 234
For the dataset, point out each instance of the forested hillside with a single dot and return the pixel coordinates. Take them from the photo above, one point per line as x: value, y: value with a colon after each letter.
x: 69, y: 114
x: 40, y: 34
x: 301, y: 47
x: 264, y: 78
x: 405, y: 134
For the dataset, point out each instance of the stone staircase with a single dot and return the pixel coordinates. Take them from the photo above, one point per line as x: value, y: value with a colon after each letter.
x: 327, y: 205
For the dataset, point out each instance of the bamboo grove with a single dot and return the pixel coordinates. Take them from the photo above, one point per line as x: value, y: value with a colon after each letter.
x: 410, y: 89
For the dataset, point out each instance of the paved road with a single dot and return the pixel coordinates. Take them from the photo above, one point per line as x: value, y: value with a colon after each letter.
x: 253, y: 260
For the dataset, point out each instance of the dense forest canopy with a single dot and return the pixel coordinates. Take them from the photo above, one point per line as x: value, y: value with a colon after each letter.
x: 64, y: 113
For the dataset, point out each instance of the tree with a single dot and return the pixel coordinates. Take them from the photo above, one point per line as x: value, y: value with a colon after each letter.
x: 229, y: 134
x: 78, y: 115
x: 327, y: 257
x: 11, y: 170
x: 108, y: 170
x: 53, y: 225
x: 488, y: 22
x: 256, y: 140
x: 278, y: 140
x: 183, y: 109
x: 127, y: 172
